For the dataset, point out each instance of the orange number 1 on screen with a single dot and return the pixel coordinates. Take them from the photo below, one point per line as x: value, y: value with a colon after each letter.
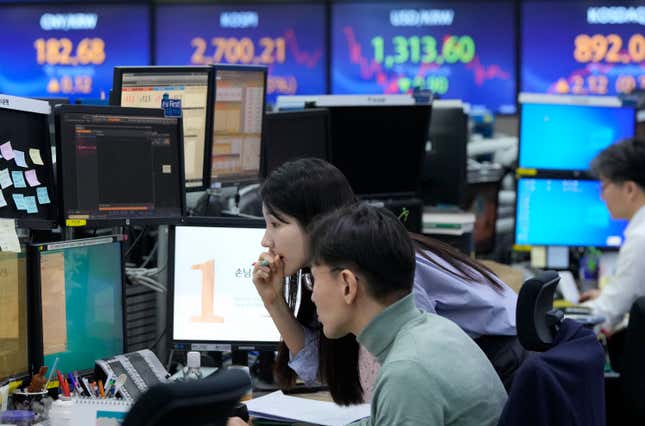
x: 208, y: 292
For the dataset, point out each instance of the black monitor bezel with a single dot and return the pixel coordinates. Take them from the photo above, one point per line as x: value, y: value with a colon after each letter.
x: 34, y: 287
x: 222, y: 345
x: 290, y: 115
x: 581, y: 177
x: 112, y: 110
x: 232, y: 180
x: 28, y: 306
x: 40, y: 223
x: 580, y: 174
x: 117, y: 86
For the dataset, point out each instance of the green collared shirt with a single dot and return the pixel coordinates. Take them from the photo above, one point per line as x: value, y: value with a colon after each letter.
x: 431, y: 373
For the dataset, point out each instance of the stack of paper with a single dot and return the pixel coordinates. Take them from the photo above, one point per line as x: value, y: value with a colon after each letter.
x: 279, y: 407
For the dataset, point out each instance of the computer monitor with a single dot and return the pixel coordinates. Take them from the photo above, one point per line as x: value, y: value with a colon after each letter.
x: 145, y: 87
x: 444, y: 166
x: 295, y: 134
x: 564, y: 212
x: 14, y: 354
x: 482, y: 199
x: 119, y: 165
x: 380, y: 148
x: 566, y: 133
x: 213, y: 301
x: 26, y: 170
x: 238, y: 122
x: 77, y: 313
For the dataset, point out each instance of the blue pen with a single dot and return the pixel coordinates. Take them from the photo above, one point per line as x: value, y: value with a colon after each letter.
x: 72, y: 381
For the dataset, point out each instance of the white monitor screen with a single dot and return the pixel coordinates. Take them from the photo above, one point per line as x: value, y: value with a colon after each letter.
x: 214, y: 297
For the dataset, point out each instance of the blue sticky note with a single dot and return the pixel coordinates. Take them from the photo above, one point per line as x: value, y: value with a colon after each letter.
x: 43, y: 196
x: 18, y: 179
x: 30, y: 204
x: 19, y: 200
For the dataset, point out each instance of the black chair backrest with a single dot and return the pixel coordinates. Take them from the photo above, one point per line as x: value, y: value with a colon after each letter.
x: 634, y: 361
x: 203, y: 402
x: 536, y: 321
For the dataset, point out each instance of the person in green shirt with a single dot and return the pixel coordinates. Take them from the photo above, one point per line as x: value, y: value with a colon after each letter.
x: 431, y: 373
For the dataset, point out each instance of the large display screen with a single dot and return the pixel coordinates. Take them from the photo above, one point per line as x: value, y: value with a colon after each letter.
x: 70, y: 50
x: 583, y: 47
x: 582, y: 217
x: 214, y: 298
x: 14, y: 356
x: 568, y: 137
x: 81, y: 285
x: 288, y: 38
x: 463, y: 50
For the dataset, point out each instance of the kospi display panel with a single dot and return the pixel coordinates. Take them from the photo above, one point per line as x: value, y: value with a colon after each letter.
x: 583, y: 47
x: 70, y: 50
x: 288, y: 38
x: 447, y: 47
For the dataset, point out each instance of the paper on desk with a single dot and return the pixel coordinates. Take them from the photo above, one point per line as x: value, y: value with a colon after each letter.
x: 8, y: 237
x: 277, y: 406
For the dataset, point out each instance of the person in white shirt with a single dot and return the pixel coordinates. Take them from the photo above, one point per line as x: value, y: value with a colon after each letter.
x: 621, y: 170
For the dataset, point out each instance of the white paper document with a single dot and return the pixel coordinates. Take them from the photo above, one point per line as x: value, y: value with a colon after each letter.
x: 277, y: 406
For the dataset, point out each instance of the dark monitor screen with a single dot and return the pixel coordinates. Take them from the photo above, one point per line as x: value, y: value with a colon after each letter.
x: 14, y: 355
x: 380, y: 148
x: 119, y: 164
x: 78, y: 302
x: 567, y: 137
x: 581, y: 217
x: 26, y: 170
x: 213, y: 297
x: 295, y: 134
x: 482, y: 199
x: 239, y: 116
x: 444, y: 166
x: 145, y: 87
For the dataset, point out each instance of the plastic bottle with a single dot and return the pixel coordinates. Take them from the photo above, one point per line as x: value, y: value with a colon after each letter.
x: 193, y: 366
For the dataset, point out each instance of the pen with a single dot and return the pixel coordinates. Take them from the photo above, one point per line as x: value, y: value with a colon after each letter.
x: 51, y: 373
x: 77, y: 384
x: 109, y: 382
x: 101, y: 390
x: 72, y: 381
x: 263, y: 262
x: 63, y: 383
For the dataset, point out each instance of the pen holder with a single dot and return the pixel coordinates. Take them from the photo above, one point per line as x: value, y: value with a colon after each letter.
x: 38, y: 402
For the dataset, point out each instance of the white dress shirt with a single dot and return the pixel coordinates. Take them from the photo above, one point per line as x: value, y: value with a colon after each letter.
x: 628, y: 282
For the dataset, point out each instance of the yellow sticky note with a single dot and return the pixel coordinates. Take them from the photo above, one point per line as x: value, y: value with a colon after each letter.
x: 538, y: 257
x: 34, y: 154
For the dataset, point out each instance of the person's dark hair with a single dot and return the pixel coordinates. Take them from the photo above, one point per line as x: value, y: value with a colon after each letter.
x: 370, y: 239
x: 621, y: 162
x: 305, y: 188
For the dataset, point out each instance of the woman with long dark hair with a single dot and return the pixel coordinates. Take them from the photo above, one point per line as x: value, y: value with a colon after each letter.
x: 447, y: 282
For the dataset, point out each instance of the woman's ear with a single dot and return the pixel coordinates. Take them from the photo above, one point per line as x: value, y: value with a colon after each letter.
x: 349, y: 286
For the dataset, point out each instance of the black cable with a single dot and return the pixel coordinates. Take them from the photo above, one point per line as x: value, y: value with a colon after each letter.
x: 159, y: 338
x: 136, y: 240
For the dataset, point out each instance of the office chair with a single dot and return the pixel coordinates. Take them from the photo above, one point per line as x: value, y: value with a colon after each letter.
x: 633, y: 371
x: 562, y: 381
x: 209, y: 401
